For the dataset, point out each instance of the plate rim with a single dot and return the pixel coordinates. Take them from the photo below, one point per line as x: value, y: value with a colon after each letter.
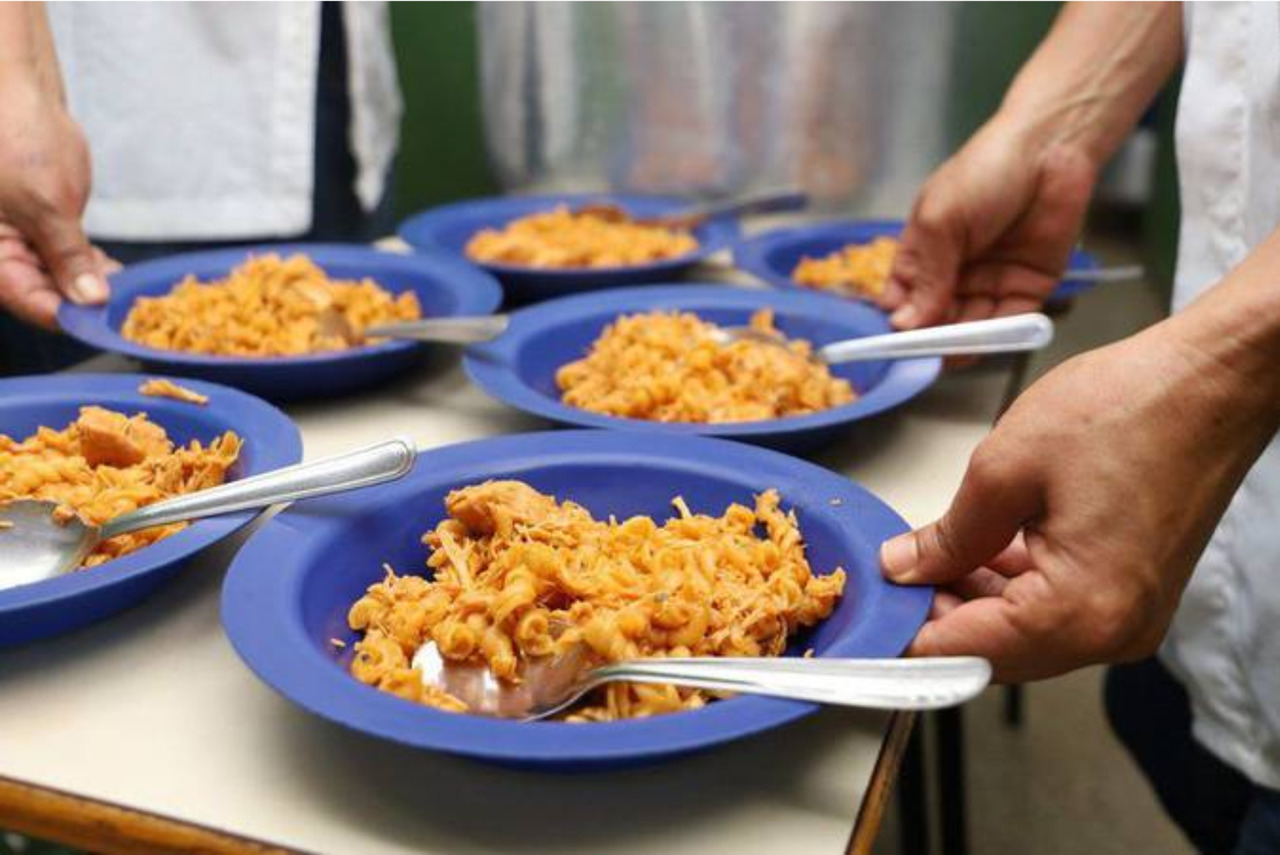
x: 253, y: 603
x: 419, y: 231
x: 489, y: 367
x: 477, y: 291
x: 749, y: 253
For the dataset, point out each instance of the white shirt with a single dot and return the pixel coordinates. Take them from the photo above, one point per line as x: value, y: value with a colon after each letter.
x: 1225, y: 641
x: 201, y: 116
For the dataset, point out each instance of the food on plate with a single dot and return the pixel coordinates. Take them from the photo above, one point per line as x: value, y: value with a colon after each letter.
x: 267, y: 306
x: 669, y: 367
x: 105, y: 464
x: 856, y: 270
x: 517, y: 575
x: 561, y: 238
x: 158, y: 387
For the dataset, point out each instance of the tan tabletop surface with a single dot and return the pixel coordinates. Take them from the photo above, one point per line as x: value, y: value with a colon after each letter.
x: 152, y: 710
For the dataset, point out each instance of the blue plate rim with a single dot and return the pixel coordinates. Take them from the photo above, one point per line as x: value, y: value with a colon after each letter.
x: 253, y: 603
x: 488, y: 365
x: 418, y: 230
x: 749, y: 253
x: 478, y: 293
x: 253, y: 416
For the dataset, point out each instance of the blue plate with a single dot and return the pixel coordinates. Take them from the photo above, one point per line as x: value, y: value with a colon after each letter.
x: 42, y: 609
x: 520, y: 366
x: 444, y: 288
x: 289, y: 589
x: 773, y: 255
x: 450, y: 227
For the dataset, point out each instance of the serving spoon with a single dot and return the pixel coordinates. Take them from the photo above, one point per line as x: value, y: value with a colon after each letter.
x: 1030, y: 331
x: 761, y: 203
x: 552, y: 684
x: 38, y: 544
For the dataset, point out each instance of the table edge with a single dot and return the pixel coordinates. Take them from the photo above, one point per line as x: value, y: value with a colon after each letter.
x: 113, y: 829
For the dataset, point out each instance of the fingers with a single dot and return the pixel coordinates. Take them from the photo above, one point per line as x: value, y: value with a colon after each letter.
x: 927, y: 263
x: 993, y: 503
x: 73, y: 263
x: 985, y: 627
x: 27, y: 292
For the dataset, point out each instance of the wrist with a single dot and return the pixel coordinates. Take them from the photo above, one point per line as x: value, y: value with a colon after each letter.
x: 1230, y: 340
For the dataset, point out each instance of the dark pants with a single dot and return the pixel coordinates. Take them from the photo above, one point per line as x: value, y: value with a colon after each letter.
x: 1220, y: 811
x: 336, y: 212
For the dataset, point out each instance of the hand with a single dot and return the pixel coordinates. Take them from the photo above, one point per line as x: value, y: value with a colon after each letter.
x: 991, y: 230
x: 1082, y: 515
x: 44, y: 185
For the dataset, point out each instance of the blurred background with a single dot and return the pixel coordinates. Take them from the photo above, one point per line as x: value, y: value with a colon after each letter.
x: 854, y: 102
x: 857, y: 103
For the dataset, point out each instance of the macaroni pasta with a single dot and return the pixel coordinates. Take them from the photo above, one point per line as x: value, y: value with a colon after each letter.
x: 105, y: 464
x: 668, y: 367
x: 561, y: 238
x: 519, y: 576
x: 857, y: 270
x: 268, y: 306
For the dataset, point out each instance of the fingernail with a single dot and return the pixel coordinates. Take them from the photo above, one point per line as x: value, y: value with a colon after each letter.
x: 907, y: 317
x: 87, y: 288
x: 898, y: 557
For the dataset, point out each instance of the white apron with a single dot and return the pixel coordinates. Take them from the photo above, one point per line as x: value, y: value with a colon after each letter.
x: 1225, y: 641
x: 201, y: 116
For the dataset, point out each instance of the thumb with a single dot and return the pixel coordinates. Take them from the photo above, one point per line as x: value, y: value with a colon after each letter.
x: 926, y: 267
x: 990, y: 508
x: 72, y: 262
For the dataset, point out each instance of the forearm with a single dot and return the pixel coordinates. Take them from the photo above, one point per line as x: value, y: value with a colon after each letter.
x: 1233, y: 331
x: 1094, y: 74
x: 27, y: 57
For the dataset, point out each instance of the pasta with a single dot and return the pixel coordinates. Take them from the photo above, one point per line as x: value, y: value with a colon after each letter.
x: 105, y: 464
x: 518, y: 576
x: 561, y: 238
x: 668, y: 367
x: 268, y: 306
x: 161, y: 388
x: 858, y: 270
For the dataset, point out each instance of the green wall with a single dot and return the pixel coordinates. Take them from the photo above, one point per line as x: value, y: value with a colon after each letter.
x: 441, y: 149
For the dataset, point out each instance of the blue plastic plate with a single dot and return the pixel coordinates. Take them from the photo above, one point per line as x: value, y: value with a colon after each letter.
x: 444, y: 288
x: 289, y: 589
x: 450, y: 227
x: 42, y: 609
x: 773, y: 255
x: 520, y: 367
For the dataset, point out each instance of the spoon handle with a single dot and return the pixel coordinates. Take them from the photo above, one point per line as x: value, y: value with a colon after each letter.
x: 774, y: 201
x: 384, y: 461
x: 1120, y: 273
x: 1030, y: 331
x: 460, y: 330
x: 914, y: 684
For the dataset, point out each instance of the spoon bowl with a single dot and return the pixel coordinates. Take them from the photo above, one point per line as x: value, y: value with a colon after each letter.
x: 42, y: 540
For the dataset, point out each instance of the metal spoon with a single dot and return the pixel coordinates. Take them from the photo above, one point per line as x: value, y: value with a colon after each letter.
x: 36, y: 546
x: 693, y: 216
x: 1119, y: 273
x: 1030, y: 331
x: 456, y: 330
x: 553, y: 684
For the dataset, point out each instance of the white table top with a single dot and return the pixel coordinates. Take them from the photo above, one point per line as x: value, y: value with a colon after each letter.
x: 152, y: 710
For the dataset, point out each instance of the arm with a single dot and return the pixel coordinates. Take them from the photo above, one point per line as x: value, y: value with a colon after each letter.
x: 993, y: 227
x: 1083, y: 514
x: 44, y: 178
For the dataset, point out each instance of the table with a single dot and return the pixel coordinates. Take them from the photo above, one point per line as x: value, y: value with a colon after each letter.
x: 145, y: 733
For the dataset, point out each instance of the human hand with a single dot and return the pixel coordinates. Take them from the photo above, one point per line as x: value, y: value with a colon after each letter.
x: 1082, y: 515
x: 44, y: 185
x: 991, y: 230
